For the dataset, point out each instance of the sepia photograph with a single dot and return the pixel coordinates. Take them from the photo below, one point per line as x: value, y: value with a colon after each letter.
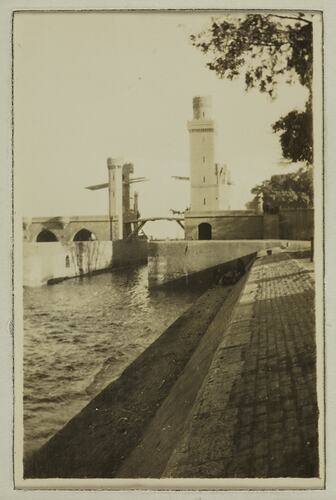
x: 169, y: 249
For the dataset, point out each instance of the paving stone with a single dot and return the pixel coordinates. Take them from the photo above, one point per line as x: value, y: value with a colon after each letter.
x: 259, y: 398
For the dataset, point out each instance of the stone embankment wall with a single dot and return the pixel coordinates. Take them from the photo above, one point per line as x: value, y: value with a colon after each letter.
x: 227, y: 391
x: 96, y: 442
x: 173, y: 260
x: 48, y: 262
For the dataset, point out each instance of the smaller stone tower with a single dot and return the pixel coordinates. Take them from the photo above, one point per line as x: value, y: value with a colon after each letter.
x: 115, y: 187
x: 121, y: 214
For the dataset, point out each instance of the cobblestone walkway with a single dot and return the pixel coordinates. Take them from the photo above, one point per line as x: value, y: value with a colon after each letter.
x: 256, y: 413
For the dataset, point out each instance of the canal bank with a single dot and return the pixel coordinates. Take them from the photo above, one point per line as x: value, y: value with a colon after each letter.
x: 82, y: 333
x: 228, y: 390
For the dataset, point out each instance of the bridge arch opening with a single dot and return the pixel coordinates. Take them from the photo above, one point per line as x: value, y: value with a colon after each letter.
x: 204, y: 231
x: 46, y: 236
x: 84, y: 235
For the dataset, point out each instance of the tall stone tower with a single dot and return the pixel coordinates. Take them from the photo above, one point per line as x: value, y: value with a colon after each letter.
x: 204, y: 189
x: 207, y: 178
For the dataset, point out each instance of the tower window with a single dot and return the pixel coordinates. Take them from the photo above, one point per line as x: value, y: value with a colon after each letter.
x: 203, y: 159
x: 204, y: 201
x: 203, y: 179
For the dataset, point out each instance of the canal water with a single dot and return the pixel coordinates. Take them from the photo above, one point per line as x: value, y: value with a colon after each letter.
x: 80, y: 334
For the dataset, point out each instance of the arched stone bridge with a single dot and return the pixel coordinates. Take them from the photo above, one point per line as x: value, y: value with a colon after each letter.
x: 81, y: 228
x: 66, y: 229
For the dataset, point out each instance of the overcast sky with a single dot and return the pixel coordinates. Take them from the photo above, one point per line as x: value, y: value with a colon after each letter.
x: 92, y: 86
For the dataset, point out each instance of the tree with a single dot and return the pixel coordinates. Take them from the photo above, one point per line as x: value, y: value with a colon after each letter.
x: 265, y: 49
x: 293, y: 190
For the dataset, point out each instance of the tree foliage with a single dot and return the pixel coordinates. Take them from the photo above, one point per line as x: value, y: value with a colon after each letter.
x: 293, y: 190
x: 265, y: 49
x: 296, y: 136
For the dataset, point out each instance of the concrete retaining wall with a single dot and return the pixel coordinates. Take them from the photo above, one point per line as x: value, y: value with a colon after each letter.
x: 48, y: 262
x: 169, y: 261
x: 150, y: 457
